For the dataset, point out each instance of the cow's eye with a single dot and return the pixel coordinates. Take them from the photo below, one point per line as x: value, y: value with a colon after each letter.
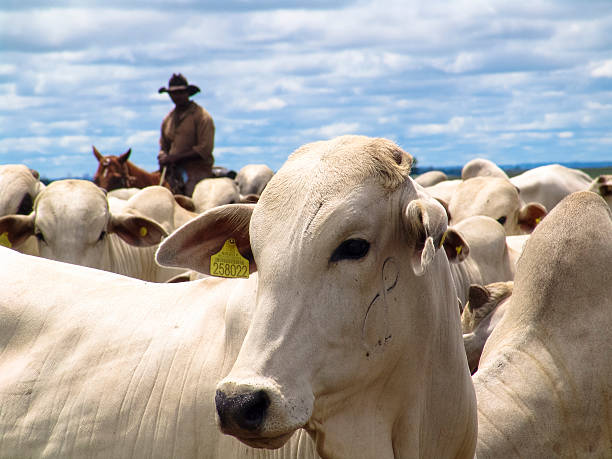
x: 351, y: 249
x: 39, y: 236
x: 502, y: 220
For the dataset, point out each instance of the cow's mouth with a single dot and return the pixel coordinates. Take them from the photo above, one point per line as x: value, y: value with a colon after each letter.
x: 266, y: 442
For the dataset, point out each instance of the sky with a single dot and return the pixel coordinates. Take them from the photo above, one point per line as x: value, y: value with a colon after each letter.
x: 512, y: 81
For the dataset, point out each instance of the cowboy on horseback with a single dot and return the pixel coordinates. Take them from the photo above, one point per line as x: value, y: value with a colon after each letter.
x: 187, y: 138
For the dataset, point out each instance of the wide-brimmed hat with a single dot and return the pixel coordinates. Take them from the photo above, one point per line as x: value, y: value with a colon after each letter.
x: 178, y: 82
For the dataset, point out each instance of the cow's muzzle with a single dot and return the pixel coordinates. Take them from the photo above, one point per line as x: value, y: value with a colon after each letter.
x: 258, y: 413
x: 243, y: 412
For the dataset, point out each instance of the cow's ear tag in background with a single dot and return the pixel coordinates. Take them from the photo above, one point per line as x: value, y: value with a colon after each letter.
x: 228, y: 262
x: 4, y: 240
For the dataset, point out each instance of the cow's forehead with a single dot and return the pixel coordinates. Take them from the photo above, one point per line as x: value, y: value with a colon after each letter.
x: 321, y: 181
x: 76, y: 197
x: 484, y: 192
x: 326, y: 168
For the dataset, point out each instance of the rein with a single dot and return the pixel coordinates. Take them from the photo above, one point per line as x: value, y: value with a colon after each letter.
x: 126, y: 178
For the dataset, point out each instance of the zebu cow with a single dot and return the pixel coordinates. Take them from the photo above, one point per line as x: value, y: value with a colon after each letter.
x: 97, y: 365
x: 489, y: 258
x: 443, y: 191
x: 253, y: 178
x: 545, y: 375
x: 481, y: 167
x: 123, y: 193
x: 19, y: 186
x: 515, y: 245
x: 485, y: 307
x: 154, y: 202
x: 431, y: 178
x: 355, y: 331
x: 497, y: 198
x: 72, y: 223
x: 126, y: 193
x: 550, y: 184
x: 213, y: 192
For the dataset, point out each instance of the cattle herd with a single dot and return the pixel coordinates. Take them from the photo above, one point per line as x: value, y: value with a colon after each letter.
x: 383, y: 316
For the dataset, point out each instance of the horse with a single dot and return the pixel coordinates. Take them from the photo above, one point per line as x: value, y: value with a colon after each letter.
x: 119, y: 172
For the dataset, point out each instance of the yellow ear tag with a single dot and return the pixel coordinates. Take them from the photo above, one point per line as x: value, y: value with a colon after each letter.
x: 538, y: 220
x: 228, y: 262
x: 143, y: 231
x: 459, y: 249
x: 4, y: 240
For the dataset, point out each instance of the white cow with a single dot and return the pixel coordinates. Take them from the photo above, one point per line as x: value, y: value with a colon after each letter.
x: 253, y: 178
x: 213, y: 192
x: 497, y: 198
x: 356, y: 330
x: 126, y: 193
x: 489, y: 258
x: 550, y: 184
x: 481, y: 167
x: 97, y: 365
x: 159, y: 204
x: 72, y: 223
x: 515, y: 245
x: 362, y: 348
x: 545, y: 375
x: 485, y: 308
x: 19, y: 186
x: 443, y: 191
x: 123, y: 193
x: 431, y: 178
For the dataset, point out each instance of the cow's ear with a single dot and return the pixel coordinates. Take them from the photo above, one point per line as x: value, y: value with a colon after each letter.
x: 15, y: 229
x: 426, y: 221
x: 97, y: 154
x: 530, y: 215
x: 251, y: 198
x: 192, y: 245
x: 185, y: 202
x: 478, y: 295
x: 456, y: 248
x: 445, y: 205
x: 137, y: 231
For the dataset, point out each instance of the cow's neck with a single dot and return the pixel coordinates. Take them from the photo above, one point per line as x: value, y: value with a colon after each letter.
x: 423, y: 405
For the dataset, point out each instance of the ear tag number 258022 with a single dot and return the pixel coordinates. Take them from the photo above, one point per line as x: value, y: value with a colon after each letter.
x: 228, y: 262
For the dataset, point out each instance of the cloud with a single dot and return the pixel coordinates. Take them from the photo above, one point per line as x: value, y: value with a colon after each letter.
x: 334, y: 130
x: 440, y: 78
x: 271, y: 103
x: 602, y: 70
x: 454, y: 125
x: 463, y: 62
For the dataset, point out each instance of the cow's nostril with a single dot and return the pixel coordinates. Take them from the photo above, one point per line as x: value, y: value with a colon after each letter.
x: 245, y: 411
x: 255, y: 409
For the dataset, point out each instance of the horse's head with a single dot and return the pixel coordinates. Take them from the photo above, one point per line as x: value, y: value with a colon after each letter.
x: 112, y: 170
